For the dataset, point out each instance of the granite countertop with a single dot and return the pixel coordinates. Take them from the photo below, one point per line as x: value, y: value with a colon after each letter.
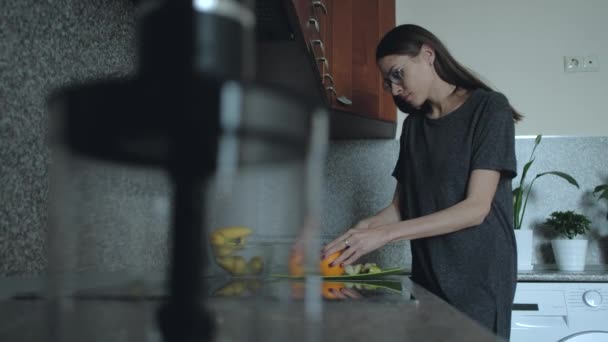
x: 548, y: 275
x: 416, y: 315
x: 545, y: 274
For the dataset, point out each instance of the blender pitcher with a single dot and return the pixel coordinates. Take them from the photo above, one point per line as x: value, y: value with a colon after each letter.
x: 168, y: 187
x: 117, y: 204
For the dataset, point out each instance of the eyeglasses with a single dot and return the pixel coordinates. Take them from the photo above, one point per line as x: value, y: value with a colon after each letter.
x: 394, y: 77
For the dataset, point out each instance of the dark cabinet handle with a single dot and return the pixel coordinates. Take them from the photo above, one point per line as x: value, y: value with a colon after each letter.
x: 342, y: 99
x: 313, y: 21
x: 320, y: 4
x: 324, y: 61
x: 318, y: 42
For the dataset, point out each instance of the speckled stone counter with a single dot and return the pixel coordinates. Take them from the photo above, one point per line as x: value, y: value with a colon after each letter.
x: 419, y: 316
x: 560, y: 276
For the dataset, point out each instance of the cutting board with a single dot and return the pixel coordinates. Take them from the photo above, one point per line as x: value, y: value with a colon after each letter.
x: 365, y: 276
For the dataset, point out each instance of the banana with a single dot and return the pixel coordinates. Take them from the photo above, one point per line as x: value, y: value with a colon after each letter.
x: 231, y: 236
x: 255, y: 265
x: 235, y: 265
x: 223, y: 251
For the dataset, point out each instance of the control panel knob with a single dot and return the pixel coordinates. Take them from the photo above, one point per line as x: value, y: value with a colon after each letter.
x: 592, y: 298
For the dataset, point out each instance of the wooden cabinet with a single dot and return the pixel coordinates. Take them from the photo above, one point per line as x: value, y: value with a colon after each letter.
x: 341, y: 36
x: 324, y: 50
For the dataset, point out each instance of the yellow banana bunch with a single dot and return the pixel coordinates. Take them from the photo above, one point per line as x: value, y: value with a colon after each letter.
x: 226, y: 242
x: 235, y: 265
x: 255, y: 265
x: 230, y: 236
x: 223, y: 251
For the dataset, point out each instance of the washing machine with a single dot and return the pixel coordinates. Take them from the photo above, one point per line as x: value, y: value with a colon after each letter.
x: 560, y: 312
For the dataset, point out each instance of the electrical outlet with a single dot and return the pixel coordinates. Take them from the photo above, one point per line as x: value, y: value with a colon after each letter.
x: 581, y: 63
x: 573, y: 63
x: 591, y: 63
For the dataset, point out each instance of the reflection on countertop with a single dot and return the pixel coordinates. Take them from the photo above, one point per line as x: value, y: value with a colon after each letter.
x: 411, y: 314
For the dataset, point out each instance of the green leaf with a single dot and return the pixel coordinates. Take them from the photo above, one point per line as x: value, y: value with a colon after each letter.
x: 603, y: 187
x: 563, y: 175
x: 602, y: 191
x: 525, y: 172
x: 517, y: 191
x: 538, y: 139
x: 517, y: 197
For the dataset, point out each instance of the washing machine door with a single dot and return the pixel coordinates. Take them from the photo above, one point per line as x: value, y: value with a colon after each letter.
x: 587, y: 336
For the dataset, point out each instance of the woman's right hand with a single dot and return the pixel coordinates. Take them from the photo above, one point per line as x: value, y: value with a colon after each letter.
x: 365, y: 224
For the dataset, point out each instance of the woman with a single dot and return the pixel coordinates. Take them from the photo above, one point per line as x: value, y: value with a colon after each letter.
x: 453, y: 197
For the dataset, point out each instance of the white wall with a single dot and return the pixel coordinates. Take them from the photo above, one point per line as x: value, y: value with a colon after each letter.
x: 518, y: 46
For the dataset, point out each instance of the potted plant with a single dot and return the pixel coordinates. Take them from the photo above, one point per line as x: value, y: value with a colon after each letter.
x: 602, y: 192
x: 570, y: 253
x: 523, y: 237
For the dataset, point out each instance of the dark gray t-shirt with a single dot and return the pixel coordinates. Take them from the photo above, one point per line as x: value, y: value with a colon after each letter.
x: 474, y: 269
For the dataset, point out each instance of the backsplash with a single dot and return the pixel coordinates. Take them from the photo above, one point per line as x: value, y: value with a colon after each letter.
x: 45, y: 45
x: 360, y: 183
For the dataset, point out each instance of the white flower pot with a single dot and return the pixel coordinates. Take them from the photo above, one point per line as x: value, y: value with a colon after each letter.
x: 523, y: 239
x: 569, y: 254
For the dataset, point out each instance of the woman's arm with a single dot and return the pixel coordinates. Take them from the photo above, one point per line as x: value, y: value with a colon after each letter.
x: 388, y: 215
x: 467, y: 213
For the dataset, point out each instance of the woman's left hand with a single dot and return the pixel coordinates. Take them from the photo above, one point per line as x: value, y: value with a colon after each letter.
x: 355, y: 243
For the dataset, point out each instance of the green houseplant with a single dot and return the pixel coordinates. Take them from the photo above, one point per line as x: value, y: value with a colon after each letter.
x: 522, y: 192
x: 569, y: 253
x: 602, y: 192
x: 568, y: 224
x: 524, y: 237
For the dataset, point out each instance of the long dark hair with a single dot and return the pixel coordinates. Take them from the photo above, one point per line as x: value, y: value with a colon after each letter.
x: 407, y: 40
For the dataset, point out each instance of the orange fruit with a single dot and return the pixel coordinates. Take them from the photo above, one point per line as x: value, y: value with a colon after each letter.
x: 328, y: 287
x: 328, y: 271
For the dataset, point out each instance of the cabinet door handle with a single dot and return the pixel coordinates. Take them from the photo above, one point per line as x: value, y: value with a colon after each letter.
x: 318, y: 3
x: 318, y: 42
x: 313, y: 21
x: 342, y: 99
x: 324, y: 61
x: 328, y: 76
